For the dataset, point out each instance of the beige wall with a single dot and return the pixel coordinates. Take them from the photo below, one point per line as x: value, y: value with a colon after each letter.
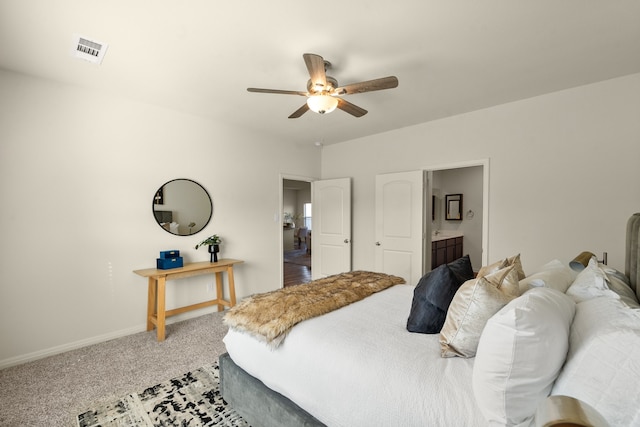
x: 564, y: 173
x: 79, y: 171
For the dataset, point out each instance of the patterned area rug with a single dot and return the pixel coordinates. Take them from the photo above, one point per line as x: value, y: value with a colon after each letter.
x: 192, y: 399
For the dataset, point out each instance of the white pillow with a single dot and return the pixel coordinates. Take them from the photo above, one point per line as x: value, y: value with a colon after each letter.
x: 603, y: 366
x: 553, y: 274
x: 591, y: 283
x: 520, y: 354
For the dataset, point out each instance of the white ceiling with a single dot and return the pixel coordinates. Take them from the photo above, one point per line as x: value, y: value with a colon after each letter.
x: 199, y: 56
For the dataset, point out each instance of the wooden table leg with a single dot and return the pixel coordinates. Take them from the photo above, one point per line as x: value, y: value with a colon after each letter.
x: 219, y: 294
x: 232, y: 286
x: 151, y: 303
x: 161, y: 307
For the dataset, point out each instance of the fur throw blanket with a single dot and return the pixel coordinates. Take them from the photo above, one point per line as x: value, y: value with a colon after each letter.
x: 270, y: 316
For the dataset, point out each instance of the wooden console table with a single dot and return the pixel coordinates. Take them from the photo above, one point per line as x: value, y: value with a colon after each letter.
x: 156, y: 312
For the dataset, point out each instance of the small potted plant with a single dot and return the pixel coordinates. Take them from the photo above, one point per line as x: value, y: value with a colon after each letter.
x: 214, y: 246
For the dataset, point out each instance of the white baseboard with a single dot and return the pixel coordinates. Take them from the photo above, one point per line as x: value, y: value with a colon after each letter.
x: 41, y: 354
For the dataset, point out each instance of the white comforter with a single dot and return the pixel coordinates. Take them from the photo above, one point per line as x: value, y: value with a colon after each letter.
x: 359, y: 366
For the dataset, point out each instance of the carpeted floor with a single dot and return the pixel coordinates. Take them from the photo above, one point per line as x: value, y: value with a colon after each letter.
x: 50, y: 392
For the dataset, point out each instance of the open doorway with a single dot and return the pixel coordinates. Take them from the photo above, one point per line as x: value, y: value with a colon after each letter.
x: 467, y: 184
x: 297, y: 225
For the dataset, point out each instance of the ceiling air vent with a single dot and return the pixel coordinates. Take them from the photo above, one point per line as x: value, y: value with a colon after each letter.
x: 87, y: 49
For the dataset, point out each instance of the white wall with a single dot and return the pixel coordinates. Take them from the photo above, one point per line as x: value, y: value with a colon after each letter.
x: 78, y: 173
x: 564, y: 174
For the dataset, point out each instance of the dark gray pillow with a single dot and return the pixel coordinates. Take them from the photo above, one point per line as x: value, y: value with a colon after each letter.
x: 433, y: 295
x: 462, y: 268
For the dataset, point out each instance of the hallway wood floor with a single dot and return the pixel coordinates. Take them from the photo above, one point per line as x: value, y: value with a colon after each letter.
x: 295, y: 274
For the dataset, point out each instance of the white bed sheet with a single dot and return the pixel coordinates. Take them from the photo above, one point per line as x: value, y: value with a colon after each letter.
x: 359, y: 366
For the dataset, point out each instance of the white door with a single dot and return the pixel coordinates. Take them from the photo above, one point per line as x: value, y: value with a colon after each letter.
x: 331, y: 233
x: 400, y: 224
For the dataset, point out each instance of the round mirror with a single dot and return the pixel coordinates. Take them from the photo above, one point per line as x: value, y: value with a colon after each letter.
x: 182, y: 207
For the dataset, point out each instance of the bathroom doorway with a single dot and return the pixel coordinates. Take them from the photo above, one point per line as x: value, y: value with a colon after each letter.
x: 470, y: 180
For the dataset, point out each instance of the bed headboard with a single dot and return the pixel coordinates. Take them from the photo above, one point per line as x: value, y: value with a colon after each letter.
x: 632, y: 252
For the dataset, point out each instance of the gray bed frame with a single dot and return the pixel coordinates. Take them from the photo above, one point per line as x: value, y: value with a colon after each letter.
x: 256, y: 403
x: 262, y: 407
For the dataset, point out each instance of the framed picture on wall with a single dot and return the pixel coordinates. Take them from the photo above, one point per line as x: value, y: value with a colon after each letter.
x: 433, y: 208
x: 158, y: 199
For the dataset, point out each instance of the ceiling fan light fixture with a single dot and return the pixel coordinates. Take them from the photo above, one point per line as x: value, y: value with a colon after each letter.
x: 323, y: 92
x: 322, y: 104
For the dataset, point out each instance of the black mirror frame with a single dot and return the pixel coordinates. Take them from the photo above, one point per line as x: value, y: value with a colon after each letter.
x: 159, y: 197
x: 451, y: 212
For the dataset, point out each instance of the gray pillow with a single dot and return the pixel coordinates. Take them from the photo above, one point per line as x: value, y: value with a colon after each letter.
x: 462, y: 268
x: 433, y: 294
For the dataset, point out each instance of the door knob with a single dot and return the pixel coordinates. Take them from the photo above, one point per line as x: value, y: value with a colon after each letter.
x: 346, y: 240
x: 377, y: 243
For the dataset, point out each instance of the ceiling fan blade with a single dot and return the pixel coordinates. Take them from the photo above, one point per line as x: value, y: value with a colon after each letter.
x: 315, y: 65
x: 368, y: 86
x: 300, y: 111
x: 282, y: 92
x: 350, y: 108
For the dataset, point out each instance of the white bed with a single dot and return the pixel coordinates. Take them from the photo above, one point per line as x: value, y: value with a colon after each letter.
x: 565, y: 346
x: 367, y: 384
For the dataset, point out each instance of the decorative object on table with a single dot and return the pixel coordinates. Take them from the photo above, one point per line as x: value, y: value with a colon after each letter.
x: 169, y: 259
x: 214, y: 246
x: 213, y: 250
x: 288, y: 219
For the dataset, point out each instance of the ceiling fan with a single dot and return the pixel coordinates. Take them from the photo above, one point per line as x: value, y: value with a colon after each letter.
x: 323, y: 92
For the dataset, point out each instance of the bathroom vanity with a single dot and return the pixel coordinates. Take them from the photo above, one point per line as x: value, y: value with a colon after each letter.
x: 446, y: 246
